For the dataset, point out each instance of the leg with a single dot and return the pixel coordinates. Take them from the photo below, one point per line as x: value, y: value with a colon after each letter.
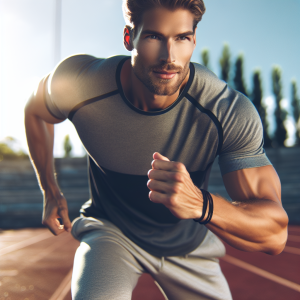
x: 103, y: 268
x: 196, y: 276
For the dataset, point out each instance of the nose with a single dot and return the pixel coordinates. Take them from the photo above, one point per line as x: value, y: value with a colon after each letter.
x: 167, y: 52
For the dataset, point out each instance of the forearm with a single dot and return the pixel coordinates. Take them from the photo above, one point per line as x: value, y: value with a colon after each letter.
x: 40, y: 136
x: 255, y: 225
x: 256, y: 220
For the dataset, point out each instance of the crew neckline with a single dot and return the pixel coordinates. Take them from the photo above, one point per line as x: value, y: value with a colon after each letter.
x: 152, y: 113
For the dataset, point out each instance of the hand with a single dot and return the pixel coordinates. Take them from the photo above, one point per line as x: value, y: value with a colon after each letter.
x: 170, y: 184
x: 54, y: 208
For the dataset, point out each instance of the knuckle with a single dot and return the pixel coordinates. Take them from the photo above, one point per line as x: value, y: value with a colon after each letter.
x: 173, y: 200
x: 150, y: 174
x: 178, y: 177
x: 180, y: 166
x: 149, y: 184
x: 177, y: 165
x: 153, y: 163
x: 151, y: 196
x: 176, y: 188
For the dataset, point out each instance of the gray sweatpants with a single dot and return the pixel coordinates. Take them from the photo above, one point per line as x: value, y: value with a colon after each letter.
x: 107, y: 266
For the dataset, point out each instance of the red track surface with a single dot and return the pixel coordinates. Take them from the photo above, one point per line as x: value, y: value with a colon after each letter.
x: 34, y: 265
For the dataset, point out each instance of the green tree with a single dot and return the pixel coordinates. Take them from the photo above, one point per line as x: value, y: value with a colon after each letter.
x: 257, y: 99
x: 225, y: 63
x: 280, y: 114
x: 67, y: 146
x: 7, y: 152
x: 205, y: 57
x: 296, y: 110
x: 238, y: 79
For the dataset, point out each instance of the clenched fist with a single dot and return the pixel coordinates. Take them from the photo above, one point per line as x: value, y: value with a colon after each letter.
x: 170, y: 184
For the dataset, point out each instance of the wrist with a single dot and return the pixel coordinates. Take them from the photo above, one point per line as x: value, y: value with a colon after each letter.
x: 51, y: 191
x: 207, y: 208
x: 198, y: 211
x: 48, y: 182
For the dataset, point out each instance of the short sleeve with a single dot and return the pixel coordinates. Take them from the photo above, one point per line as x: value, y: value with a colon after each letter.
x: 50, y: 104
x: 242, y: 136
x: 64, y: 87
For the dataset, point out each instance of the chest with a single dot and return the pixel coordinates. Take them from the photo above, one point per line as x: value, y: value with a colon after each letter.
x: 122, y: 140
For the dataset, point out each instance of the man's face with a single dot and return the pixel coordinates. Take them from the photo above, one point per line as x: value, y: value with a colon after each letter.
x: 163, y: 47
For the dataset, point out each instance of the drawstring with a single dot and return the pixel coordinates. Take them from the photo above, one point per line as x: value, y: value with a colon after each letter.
x: 161, y: 263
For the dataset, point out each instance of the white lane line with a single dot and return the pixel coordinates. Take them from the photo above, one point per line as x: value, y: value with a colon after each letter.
x: 33, y: 260
x: 294, y: 238
x: 45, y: 252
x: 28, y: 242
x: 292, y: 250
x: 63, y: 288
x: 57, y: 243
x: 261, y: 272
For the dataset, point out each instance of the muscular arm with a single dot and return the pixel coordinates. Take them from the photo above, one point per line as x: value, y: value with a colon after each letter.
x: 40, y: 135
x: 255, y: 221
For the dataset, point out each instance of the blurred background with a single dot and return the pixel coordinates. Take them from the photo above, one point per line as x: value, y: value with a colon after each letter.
x: 250, y: 44
x: 253, y: 45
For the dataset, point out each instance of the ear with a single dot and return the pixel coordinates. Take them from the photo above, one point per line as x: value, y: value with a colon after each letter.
x: 194, y: 37
x: 127, y: 39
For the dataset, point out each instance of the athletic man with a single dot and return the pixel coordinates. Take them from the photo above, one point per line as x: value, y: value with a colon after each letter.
x: 161, y: 221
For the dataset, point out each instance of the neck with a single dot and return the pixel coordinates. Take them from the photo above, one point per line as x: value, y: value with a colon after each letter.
x: 140, y: 96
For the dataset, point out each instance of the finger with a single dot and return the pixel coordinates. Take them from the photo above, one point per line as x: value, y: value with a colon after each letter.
x: 64, y: 214
x: 168, y: 165
x: 50, y: 218
x: 157, y: 155
x: 67, y: 225
x: 167, y: 176
x: 60, y: 227
x: 54, y: 226
x: 163, y: 187
x: 157, y: 197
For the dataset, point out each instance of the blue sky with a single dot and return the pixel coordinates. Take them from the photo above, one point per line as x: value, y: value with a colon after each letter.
x: 265, y: 31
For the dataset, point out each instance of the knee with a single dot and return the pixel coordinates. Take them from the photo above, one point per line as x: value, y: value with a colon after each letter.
x: 103, y: 270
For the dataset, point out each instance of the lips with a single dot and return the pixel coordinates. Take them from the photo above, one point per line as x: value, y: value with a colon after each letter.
x: 164, y: 74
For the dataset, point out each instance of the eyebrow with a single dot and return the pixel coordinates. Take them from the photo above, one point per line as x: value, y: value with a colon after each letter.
x: 158, y: 33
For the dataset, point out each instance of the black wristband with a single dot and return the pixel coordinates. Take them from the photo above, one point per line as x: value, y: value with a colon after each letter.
x: 207, y: 199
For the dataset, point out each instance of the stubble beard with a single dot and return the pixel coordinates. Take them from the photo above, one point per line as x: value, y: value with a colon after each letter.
x: 157, y: 86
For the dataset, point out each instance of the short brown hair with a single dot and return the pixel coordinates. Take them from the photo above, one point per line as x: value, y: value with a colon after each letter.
x: 133, y: 10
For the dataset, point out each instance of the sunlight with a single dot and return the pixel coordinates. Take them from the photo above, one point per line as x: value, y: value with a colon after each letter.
x: 290, y: 127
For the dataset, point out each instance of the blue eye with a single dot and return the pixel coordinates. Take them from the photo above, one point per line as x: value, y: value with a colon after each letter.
x: 183, y: 38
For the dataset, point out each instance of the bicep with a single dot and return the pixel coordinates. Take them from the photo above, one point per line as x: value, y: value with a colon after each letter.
x: 260, y: 183
x: 36, y: 105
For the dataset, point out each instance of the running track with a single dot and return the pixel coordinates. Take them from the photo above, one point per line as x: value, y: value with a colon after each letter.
x: 34, y: 265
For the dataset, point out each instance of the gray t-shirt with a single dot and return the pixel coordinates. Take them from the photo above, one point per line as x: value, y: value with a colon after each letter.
x: 207, y: 120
